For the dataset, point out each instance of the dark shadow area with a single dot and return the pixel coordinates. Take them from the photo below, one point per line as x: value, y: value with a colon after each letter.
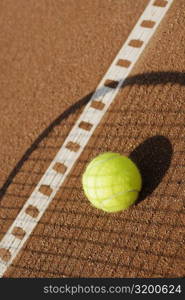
x: 155, y: 78
x: 153, y: 158
x: 152, y: 78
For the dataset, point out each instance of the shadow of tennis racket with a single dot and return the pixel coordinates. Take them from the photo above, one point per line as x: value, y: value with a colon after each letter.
x: 147, y: 156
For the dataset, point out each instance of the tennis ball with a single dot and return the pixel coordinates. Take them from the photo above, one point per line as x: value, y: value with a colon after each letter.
x: 111, y: 182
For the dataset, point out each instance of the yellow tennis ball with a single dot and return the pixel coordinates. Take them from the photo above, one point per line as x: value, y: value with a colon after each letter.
x: 111, y: 182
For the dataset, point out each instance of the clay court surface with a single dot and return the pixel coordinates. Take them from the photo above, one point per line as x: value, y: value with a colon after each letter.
x: 53, y: 55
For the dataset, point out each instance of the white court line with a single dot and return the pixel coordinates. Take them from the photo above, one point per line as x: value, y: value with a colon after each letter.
x: 63, y: 162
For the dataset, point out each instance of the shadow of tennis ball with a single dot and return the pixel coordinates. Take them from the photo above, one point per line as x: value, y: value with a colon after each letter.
x: 153, y: 158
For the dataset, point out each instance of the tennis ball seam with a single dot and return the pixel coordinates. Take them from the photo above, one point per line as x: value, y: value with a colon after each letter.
x: 101, y: 161
x: 119, y: 194
x: 107, y: 175
x: 114, y: 195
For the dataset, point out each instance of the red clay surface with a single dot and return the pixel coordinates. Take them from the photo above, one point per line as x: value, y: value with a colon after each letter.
x: 52, y: 55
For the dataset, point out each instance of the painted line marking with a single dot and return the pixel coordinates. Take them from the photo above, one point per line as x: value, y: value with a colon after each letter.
x: 45, y: 191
